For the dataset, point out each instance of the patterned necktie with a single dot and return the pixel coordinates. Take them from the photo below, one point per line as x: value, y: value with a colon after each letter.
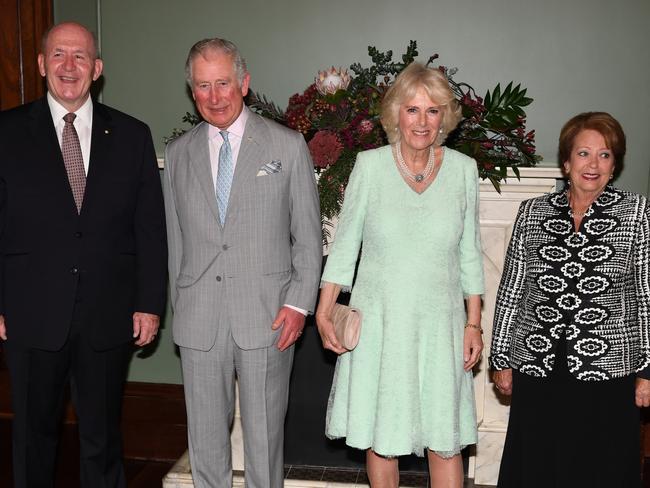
x: 73, y: 159
x: 224, y: 176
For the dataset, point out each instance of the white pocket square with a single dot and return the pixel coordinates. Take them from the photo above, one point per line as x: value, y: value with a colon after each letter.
x: 274, y: 166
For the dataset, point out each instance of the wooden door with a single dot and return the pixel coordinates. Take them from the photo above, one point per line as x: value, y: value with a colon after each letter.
x: 22, y: 24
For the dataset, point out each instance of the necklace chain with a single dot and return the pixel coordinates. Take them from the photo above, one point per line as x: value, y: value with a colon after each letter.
x: 586, y: 210
x: 406, y: 171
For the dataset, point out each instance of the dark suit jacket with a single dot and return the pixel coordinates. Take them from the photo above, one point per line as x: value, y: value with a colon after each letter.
x: 112, y: 256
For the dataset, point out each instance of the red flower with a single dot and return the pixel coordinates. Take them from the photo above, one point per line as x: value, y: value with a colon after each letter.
x: 325, y: 148
x: 298, y: 121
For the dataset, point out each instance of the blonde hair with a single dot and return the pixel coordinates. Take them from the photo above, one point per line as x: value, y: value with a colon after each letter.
x: 405, y: 87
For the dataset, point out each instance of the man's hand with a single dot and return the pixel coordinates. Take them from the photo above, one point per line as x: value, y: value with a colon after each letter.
x: 642, y: 393
x: 327, y: 335
x: 472, y: 347
x: 292, y: 323
x: 503, y: 381
x: 3, y: 329
x: 145, y: 327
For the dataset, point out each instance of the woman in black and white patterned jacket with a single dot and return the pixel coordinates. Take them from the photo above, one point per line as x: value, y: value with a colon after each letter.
x: 571, y: 339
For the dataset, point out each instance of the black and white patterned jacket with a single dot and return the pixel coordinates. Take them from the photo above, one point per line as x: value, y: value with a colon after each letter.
x: 592, y: 286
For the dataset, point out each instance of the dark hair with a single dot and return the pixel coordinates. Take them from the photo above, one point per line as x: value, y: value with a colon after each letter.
x: 601, y: 122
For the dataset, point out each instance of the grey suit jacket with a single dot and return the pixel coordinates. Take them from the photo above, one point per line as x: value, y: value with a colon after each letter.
x: 235, y: 278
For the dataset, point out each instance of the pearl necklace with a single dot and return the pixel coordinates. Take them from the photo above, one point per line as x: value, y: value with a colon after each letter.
x: 586, y: 210
x: 406, y: 171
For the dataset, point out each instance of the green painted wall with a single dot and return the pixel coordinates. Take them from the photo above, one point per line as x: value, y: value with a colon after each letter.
x: 159, y: 363
x: 572, y: 56
x: 82, y: 11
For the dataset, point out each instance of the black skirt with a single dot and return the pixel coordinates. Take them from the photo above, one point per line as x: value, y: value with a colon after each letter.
x: 567, y: 433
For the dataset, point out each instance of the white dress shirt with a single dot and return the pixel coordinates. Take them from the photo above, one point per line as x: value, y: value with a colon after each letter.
x: 83, y: 124
x: 235, y: 136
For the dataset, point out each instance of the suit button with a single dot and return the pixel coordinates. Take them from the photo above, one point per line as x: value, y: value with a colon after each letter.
x: 78, y: 235
x: 224, y: 247
x: 218, y: 278
x: 74, y: 271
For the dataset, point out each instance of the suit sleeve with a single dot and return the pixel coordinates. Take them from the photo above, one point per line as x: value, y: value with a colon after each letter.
x: 174, y: 237
x: 3, y: 215
x: 511, y: 290
x: 306, y: 245
x: 150, y: 235
x: 642, y: 285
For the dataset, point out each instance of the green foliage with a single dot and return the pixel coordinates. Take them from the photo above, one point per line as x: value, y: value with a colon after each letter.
x: 264, y: 107
x: 188, y: 118
x: 383, y: 70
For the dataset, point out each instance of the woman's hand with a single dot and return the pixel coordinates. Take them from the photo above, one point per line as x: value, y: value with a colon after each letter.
x: 327, y: 335
x: 472, y: 347
x: 328, y: 294
x: 642, y: 393
x: 503, y: 381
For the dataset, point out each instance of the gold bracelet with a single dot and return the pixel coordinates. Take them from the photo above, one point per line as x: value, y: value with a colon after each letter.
x: 474, y: 326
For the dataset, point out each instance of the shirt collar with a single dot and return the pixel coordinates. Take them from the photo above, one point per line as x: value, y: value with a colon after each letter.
x: 84, y: 113
x: 236, y: 128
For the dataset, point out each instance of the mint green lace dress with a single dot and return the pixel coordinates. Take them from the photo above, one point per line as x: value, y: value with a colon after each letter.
x: 403, y: 389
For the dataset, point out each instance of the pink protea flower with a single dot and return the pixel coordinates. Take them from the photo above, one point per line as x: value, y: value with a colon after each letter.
x: 366, y: 126
x: 331, y: 80
x: 325, y: 148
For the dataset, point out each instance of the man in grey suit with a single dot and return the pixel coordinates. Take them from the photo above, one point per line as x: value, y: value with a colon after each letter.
x: 245, y: 257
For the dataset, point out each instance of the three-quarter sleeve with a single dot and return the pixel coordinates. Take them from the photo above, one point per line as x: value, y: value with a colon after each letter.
x: 642, y: 286
x: 342, y: 259
x: 510, y: 292
x: 471, y: 259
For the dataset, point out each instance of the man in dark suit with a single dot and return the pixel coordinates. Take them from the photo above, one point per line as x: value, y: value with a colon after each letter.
x: 82, y: 260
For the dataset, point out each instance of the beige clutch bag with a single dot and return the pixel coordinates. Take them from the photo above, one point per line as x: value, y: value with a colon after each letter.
x: 347, y: 325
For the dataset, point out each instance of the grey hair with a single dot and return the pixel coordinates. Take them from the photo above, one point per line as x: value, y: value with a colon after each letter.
x: 46, y: 36
x: 216, y: 44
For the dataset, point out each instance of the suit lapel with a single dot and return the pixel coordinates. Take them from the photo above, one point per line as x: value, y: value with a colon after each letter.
x: 48, y: 152
x: 199, y: 153
x: 101, y: 143
x: 251, y: 155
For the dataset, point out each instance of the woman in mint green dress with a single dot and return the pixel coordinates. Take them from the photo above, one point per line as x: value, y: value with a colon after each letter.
x: 412, y: 209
